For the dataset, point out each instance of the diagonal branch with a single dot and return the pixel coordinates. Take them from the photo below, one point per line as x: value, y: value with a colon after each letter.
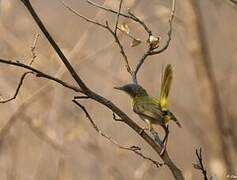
x: 135, y: 149
x: 151, y: 52
x: 177, y: 173
x: 139, y: 65
x: 39, y: 73
x: 18, y: 87
x: 118, y: 14
x: 55, y: 46
x: 114, y: 34
x: 172, y: 13
x: 130, y: 15
x: 83, y: 17
x: 142, y: 23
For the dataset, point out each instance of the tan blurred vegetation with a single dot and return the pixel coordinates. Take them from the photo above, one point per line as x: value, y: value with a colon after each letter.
x: 42, y: 121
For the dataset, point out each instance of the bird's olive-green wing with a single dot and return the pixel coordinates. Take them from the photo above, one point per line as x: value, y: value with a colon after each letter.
x: 150, y: 111
x: 166, y: 80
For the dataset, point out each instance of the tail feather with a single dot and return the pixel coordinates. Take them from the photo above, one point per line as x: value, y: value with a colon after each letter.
x: 172, y: 117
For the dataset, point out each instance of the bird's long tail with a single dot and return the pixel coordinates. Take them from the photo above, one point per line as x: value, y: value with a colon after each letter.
x: 172, y: 117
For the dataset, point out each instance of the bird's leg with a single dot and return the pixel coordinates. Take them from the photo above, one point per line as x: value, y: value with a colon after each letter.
x: 146, y: 128
x: 165, y: 140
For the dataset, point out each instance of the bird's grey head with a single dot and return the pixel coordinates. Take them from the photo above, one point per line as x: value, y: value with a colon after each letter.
x: 133, y: 90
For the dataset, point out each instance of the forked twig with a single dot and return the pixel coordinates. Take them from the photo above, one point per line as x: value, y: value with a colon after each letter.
x: 150, y: 52
x: 176, y: 172
x: 199, y: 165
x: 135, y: 149
x: 39, y: 73
x: 130, y: 15
x: 105, y: 26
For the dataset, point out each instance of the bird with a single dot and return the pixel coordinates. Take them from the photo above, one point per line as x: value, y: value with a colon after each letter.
x: 150, y: 109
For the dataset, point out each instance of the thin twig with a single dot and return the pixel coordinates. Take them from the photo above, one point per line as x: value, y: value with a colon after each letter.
x: 55, y: 46
x: 150, y: 52
x: 81, y: 97
x: 118, y: 14
x: 121, y: 49
x: 176, y: 172
x: 41, y: 74
x: 32, y: 48
x: 199, y: 165
x: 140, y: 63
x: 81, y: 16
x: 109, y: 29
x: 135, y: 149
x: 172, y: 13
x: 142, y: 23
x: 130, y: 16
x: 18, y: 87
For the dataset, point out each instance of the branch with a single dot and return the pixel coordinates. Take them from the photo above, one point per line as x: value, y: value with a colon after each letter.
x: 140, y: 63
x: 39, y: 73
x: 55, y: 46
x: 199, y: 165
x: 172, y: 13
x: 83, y: 17
x: 18, y: 87
x: 130, y: 16
x: 135, y: 149
x: 117, y: 20
x: 114, y: 34
x: 32, y: 48
x: 150, y: 52
x: 142, y: 23
x: 177, y: 173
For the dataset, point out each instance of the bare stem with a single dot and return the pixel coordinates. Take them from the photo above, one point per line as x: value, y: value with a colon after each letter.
x: 39, y: 73
x: 199, y: 165
x: 135, y: 149
x: 32, y: 48
x: 130, y: 16
x: 18, y: 87
x: 118, y: 14
x: 177, y: 173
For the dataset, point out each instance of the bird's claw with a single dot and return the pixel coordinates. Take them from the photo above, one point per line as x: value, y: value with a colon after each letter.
x: 143, y: 130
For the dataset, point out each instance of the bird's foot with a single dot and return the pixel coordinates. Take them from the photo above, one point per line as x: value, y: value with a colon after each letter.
x: 143, y: 130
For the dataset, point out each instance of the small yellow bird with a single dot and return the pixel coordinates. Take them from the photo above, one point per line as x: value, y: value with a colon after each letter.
x: 150, y: 109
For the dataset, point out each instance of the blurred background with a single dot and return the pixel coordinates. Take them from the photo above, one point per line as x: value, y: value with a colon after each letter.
x: 42, y: 120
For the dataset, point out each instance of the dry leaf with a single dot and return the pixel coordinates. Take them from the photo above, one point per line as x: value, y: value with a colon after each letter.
x: 124, y: 28
x: 135, y: 42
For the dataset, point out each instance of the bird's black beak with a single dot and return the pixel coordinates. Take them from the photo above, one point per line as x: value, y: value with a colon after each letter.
x: 119, y: 88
